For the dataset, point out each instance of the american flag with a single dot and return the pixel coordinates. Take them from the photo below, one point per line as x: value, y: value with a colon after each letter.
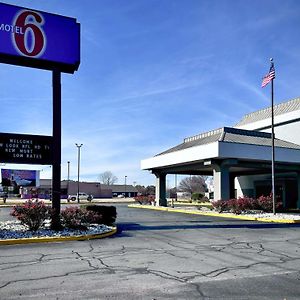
x: 270, y: 76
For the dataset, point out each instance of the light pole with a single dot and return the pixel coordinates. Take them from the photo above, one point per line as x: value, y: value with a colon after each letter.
x: 68, y: 178
x: 175, y: 187
x: 78, y: 147
x: 125, y: 185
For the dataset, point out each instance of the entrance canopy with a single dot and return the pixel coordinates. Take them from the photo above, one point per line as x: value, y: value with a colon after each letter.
x: 225, y: 153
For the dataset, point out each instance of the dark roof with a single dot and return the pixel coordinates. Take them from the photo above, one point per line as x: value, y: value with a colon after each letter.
x: 265, y: 113
x: 121, y: 188
x: 231, y: 135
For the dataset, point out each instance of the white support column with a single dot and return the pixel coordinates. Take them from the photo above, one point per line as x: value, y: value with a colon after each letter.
x: 160, y: 190
x: 221, y: 183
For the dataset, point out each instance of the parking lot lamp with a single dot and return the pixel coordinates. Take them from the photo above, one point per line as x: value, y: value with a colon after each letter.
x: 78, y: 147
x: 68, y: 182
x: 125, y: 185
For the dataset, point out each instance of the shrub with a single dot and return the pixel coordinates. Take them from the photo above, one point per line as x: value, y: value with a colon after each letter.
x: 236, y: 206
x: 241, y: 204
x: 78, y: 218
x: 245, y: 203
x: 32, y: 213
x: 144, y: 199
x: 233, y: 207
x: 197, y: 196
x: 106, y: 214
x: 220, y: 205
x: 266, y: 203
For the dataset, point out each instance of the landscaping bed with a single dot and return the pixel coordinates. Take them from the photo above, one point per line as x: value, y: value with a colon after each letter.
x: 15, y: 230
x: 242, y: 208
x: 33, y: 220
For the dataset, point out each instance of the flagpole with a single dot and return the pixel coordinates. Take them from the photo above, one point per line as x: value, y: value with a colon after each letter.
x: 273, y: 146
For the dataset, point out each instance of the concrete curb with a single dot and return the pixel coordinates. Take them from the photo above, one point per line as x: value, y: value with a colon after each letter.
x: 58, y: 239
x: 215, y: 214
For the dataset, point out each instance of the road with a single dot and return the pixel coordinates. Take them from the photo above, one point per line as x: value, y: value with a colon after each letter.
x: 159, y: 255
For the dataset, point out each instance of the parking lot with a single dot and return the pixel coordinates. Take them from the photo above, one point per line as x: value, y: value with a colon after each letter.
x: 160, y: 255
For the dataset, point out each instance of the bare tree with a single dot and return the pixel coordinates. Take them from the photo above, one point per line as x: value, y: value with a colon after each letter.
x: 193, y: 184
x: 108, y: 178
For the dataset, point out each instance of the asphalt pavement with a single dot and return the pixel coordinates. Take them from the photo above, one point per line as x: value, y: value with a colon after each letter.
x: 160, y: 255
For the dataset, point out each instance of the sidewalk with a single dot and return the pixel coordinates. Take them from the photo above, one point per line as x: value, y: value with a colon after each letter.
x: 14, y: 201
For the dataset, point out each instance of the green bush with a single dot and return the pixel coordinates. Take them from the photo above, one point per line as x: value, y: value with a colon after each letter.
x: 197, y: 196
x: 32, y: 213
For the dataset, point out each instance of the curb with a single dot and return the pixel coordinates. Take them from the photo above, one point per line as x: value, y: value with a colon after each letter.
x: 205, y: 204
x: 214, y: 214
x: 58, y: 239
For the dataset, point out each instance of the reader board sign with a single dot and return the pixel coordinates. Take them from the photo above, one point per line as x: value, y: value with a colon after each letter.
x: 26, y: 149
x: 38, y: 39
x: 18, y: 178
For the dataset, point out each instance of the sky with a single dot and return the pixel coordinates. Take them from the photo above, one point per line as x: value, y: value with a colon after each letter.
x: 153, y: 72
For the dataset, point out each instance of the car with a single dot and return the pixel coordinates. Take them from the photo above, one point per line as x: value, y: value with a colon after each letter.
x: 82, y: 196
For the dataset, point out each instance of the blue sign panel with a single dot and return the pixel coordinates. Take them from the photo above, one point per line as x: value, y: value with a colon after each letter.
x: 19, y: 178
x: 39, y: 39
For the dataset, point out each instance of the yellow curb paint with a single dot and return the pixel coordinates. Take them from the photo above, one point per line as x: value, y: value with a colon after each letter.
x: 206, y: 204
x: 58, y: 239
x: 213, y: 214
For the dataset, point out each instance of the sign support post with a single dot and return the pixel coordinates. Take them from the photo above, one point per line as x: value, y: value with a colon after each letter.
x: 29, y: 38
x: 56, y: 169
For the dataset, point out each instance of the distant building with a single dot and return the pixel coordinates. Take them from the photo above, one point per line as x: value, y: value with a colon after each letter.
x: 94, y: 188
x: 125, y: 190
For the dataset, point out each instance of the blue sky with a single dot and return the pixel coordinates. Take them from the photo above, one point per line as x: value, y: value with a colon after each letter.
x: 153, y: 72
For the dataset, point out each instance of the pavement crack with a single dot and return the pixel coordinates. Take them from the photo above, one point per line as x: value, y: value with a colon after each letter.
x: 91, y: 247
x: 87, y: 271
x: 102, y: 263
x: 166, y: 275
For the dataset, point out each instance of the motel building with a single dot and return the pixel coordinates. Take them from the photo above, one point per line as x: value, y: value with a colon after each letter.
x: 239, y: 157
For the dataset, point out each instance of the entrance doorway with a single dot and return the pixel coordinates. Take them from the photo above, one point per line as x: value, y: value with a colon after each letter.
x: 286, y: 191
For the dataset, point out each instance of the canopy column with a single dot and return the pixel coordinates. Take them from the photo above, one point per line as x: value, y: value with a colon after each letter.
x: 223, y: 179
x: 160, y: 189
x: 221, y: 182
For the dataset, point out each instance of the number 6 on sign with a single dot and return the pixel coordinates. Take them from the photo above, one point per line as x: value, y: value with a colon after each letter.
x: 30, y: 40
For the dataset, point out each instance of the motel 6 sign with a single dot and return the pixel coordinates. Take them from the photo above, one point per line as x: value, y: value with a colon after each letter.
x: 38, y: 39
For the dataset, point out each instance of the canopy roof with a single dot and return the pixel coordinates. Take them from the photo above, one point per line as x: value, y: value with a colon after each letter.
x: 231, y: 135
x: 242, y: 147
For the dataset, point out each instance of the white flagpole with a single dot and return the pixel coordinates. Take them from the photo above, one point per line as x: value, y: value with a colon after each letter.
x: 273, y: 146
